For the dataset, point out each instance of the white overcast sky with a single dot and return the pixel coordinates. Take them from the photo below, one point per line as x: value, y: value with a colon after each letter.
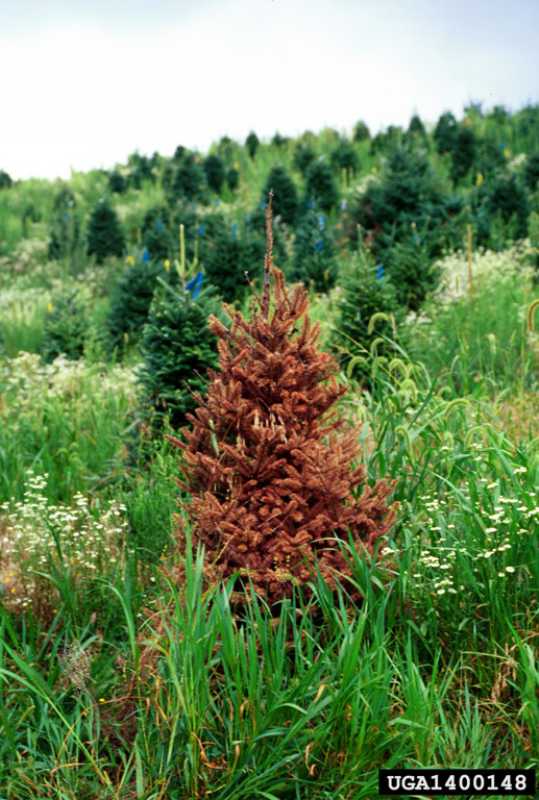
x: 86, y: 82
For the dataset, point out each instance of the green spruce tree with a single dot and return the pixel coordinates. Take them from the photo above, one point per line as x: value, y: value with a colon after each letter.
x: 215, y: 173
x: 178, y: 349
x: 105, y: 235
x: 320, y: 186
x: 251, y: 144
x: 313, y: 262
x: 285, y: 195
x: 368, y: 310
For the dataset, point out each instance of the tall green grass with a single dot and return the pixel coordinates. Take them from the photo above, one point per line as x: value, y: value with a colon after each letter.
x: 171, y: 691
x: 479, y: 344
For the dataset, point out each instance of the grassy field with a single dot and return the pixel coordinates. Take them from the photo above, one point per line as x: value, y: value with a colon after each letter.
x: 116, y: 681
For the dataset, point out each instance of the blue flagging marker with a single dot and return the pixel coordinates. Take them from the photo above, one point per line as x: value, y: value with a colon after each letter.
x: 194, y: 286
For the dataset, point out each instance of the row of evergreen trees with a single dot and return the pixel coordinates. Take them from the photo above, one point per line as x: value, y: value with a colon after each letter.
x: 426, y: 192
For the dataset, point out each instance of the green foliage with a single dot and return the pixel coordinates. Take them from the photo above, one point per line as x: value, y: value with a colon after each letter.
x: 227, y: 149
x: 410, y: 263
x: 117, y: 183
x: 477, y: 343
x: 285, y: 196
x: 65, y: 234
x: 252, y: 144
x: 314, y: 259
x: 446, y: 132
x: 215, y: 173
x: 231, y: 255
x: 141, y: 168
x: 66, y: 326
x: 531, y: 171
x: 189, y: 180
x: 320, y: 185
x: 409, y: 215
x: 464, y: 153
x: 509, y: 198
x: 222, y: 256
x: 156, y: 235
x: 232, y: 178
x: 500, y: 211
x: 368, y: 311
x: 279, y: 141
x: 408, y: 191
x: 361, y: 132
x: 5, y: 180
x: 534, y: 238
x: 416, y: 128
x: 130, y: 302
x: 151, y: 501
x: 178, y: 349
x: 385, y: 142
x: 65, y: 419
x: 105, y: 236
x: 304, y: 155
x: 344, y: 157
x: 22, y: 321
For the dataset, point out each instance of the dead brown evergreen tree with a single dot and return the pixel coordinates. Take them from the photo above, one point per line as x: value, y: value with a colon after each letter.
x: 267, y: 461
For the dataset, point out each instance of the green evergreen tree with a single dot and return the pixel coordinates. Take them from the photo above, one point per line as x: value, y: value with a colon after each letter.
x: 117, y: 182
x: 130, y: 302
x: 499, y: 115
x: 227, y: 150
x: 105, y: 235
x: 361, y: 132
x: 508, y: 198
x: 464, y: 153
x: 366, y: 292
x: 66, y: 327
x: 251, y: 144
x: 285, y: 195
x: 416, y: 129
x: 179, y: 153
x: 222, y: 257
x: 232, y: 179
x: 140, y: 170
x: 344, y: 156
x: 412, y: 268
x: 489, y: 158
x: 408, y: 192
x: 215, y: 173
x: 320, y: 186
x: 304, y: 155
x: 313, y: 261
x: 178, y: 349
x: 189, y: 182
x: 408, y: 215
x: 5, y: 180
x: 156, y: 235
x: 386, y: 142
x: 279, y: 141
x: 446, y: 132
